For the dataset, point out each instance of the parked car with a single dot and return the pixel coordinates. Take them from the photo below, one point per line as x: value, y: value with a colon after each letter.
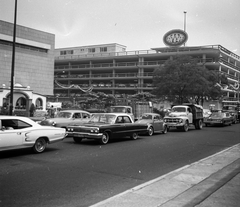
x: 233, y: 110
x: 154, y: 122
x: 206, y: 113
x: 21, y: 132
x: 219, y: 118
x: 106, y: 126
x: 66, y: 118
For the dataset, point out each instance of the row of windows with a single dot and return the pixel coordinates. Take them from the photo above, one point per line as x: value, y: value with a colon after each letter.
x: 90, y: 50
x: 22, y: 46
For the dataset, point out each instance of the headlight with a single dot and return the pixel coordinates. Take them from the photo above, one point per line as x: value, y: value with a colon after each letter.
x: 96, y: 130
x: 180, y: 120
x: 54, y: 123
x: 165, y: 120
x: 70, y: 129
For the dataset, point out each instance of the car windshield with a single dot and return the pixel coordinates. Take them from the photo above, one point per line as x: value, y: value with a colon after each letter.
x: 146, y: 116
x: 217, y: 114
x: 63, y: 114
x: 103, y: 118
x: 178, y: 109
x: 118, y: 109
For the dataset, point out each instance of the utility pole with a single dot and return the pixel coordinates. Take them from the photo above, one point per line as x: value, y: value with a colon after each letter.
x: 13, y: 61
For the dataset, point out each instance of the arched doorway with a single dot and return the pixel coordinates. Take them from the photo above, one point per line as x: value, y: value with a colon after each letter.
x: 39, y: 103
x: 21, y: 103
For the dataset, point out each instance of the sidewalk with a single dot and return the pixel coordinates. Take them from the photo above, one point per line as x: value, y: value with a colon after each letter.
x: 213, y: 181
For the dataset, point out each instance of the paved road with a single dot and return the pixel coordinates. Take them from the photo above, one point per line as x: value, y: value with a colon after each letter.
x: 70, y: 174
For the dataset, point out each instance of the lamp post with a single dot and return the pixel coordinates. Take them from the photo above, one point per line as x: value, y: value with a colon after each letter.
x: 184, y: 22
x: 13, y: 60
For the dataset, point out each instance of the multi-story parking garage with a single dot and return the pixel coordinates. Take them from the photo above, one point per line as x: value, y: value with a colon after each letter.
x: 112, y: 70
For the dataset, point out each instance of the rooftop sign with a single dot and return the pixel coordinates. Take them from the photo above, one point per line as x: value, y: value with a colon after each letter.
x: 175, y: 38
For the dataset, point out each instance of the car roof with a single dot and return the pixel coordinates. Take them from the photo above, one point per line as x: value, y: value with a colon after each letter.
x: 23, y: 118
x: 150, y: 114
x: 74, y: 110
x: 117, y: 114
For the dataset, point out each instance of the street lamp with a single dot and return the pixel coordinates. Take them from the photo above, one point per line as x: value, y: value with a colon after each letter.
x: 13, y: 60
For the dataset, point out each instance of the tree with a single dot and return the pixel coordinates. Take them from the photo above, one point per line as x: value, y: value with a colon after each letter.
x: 144, y: 96
x: 182, y: 79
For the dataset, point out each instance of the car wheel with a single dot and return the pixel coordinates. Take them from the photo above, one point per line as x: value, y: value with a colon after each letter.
x: 40, y: 145
x: 150, y: 131
x: 185, y: 126
x: 105, y: 138
x: 134, y: 135
x: 199, y: 124
x: 77, y: 139
x: 165, y: 129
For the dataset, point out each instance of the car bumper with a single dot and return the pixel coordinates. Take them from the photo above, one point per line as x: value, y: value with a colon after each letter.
x: 174, y: 124
x: 87, y: 135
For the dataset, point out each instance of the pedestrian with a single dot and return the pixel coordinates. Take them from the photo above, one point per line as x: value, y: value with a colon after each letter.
x: 32, y: 110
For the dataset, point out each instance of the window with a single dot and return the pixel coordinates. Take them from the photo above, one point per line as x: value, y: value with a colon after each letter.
x: 91, y: 50
x: 77, y: 116
x: 15, y: 124
x: 103, y: 49
x: 126, y: 119
x: 66, y: 52
x: 22, y: 46
x: 85, y: 115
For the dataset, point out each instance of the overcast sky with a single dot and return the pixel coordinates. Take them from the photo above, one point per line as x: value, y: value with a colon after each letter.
x: 137, y: 24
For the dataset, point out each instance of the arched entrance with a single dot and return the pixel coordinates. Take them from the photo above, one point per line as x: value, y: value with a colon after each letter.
x: 21, y: 103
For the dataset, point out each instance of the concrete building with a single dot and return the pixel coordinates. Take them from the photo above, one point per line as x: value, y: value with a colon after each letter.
x: 121, y: 73
x: 34, y: 64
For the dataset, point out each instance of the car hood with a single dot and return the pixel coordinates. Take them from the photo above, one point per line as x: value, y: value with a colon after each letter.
x: 90, y: 124
x: 176, y: 114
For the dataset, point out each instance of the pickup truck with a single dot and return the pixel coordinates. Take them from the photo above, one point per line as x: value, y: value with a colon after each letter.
x: 182, y: 116
x: 106, y: 126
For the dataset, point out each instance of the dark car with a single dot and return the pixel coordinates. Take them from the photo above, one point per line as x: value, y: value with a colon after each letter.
x: 155, y: 123
x: 219, y: 118
x: 105, y: 126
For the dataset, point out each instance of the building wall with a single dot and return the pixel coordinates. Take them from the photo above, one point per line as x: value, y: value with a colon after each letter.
x: 34, y: 58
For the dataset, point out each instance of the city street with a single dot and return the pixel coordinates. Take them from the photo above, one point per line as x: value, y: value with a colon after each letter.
x: 70, y: 174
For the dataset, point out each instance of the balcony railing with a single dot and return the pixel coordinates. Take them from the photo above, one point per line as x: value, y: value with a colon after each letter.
x: 104, y: 75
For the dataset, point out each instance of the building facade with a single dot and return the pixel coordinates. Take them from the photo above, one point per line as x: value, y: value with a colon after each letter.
x: 123, y: 73
x: 34, y: 64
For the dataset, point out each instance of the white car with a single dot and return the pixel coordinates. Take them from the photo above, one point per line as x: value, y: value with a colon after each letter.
x: 66, y: 118
x: 21, y: 132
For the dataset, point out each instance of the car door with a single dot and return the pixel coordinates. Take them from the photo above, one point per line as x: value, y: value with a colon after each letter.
x: 157, y: 123
x: 79, y: 118
x: 119, y: 127
x: 10, y: 135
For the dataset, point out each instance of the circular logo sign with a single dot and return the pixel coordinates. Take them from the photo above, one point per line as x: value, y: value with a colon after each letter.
x: 175, y: 38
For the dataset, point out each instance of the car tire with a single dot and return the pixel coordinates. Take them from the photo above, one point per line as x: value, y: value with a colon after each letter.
x: 150, y: 131
x: 185, y: 126
x: 165, y: 129
x: 199, y: 124
x: 105, y: 138
x: 77, y: 139
x: 40, y: 145
x: 134, y: 135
